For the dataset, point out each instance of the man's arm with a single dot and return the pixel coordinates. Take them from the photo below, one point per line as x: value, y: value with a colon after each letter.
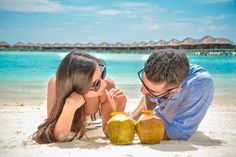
x: 137, y: 112
x: 145, y: 104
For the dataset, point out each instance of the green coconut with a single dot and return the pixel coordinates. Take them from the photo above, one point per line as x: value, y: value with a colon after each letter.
x: 150, y: 128
x: 120, y: 128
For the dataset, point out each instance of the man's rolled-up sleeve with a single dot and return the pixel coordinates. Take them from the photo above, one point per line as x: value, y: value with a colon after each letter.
x: 191, y: 111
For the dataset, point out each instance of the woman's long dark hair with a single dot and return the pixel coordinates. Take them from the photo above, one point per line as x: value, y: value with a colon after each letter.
x: 74, y: 74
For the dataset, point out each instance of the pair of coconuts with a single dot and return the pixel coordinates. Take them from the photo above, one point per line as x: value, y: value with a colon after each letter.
x: 121, y: 128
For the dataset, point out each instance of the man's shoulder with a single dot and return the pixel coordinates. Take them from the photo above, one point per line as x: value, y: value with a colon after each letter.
x: 197, y: 75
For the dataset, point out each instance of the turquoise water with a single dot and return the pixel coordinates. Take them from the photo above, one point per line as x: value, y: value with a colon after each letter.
x: 24, y: 75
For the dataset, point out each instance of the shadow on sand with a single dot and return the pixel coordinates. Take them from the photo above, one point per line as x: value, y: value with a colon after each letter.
x: 198, y: 139
x: 93, y: 139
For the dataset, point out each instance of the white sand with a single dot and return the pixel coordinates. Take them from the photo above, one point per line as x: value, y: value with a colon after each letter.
x: 216, y: 136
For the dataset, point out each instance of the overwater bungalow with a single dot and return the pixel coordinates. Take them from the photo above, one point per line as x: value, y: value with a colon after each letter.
x: 119, y: 46
x: 103, y: 46
x: 47, y: 46
x: 91, y: 45
x: 205, y: 43
x: 57, y: 46
x: 133, y: 45
x: 173, y: 43
x: 4, y: 45
x: 38, y: 46
x: 30, y: 46
x: 222, y: 43
x: 19, y: 46
x: 66, y: 46
x: 161, y: 44
x: 151, y: 44
x: 187, y: 43
x: 141, y: 46
x: 78, y: 46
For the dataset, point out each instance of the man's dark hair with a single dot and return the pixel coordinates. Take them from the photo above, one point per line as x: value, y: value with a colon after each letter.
x: 167, y: 65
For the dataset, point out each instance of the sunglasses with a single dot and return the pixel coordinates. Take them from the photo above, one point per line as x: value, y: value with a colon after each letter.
x: 150, y: 93
x: 97, y: 83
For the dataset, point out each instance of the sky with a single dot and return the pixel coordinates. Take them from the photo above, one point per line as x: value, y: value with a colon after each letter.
x: 127, y: 21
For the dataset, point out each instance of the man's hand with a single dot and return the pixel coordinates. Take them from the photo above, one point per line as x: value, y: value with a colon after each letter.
x: 149, y: 104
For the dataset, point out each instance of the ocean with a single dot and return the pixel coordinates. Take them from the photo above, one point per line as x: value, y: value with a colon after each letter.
x: 24, y: 75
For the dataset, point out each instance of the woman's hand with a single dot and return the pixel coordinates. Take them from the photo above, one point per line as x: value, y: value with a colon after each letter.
x: 117, y: 99
x: 74, y: 101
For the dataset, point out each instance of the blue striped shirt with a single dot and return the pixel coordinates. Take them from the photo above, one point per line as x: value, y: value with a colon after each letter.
x: 183, y: 111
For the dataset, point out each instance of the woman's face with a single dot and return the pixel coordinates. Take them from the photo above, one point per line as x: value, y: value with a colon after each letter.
x: 98, y: 84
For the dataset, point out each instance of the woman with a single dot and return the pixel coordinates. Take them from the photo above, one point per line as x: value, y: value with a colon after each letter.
x: 79, y: 89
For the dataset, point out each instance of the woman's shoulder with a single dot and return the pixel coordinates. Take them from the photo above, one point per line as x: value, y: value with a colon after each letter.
x: 52, y: 81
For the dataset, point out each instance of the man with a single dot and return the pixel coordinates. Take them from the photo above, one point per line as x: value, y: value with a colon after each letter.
x: 177, y: 92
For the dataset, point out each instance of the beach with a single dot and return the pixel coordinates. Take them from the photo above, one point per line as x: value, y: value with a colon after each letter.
x: 215, y: 137
x: 23, y: 108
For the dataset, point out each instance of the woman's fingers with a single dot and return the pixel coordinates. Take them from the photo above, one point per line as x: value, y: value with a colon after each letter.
x: 115, y: 92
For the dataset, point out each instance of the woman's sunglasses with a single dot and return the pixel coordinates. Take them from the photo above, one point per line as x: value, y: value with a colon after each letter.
x: 97, y: 83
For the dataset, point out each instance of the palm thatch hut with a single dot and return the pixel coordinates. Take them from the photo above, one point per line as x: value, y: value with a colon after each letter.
x: 29, y: 46
x: 187, y: 43
x: 57, y: 46
x: 174, y: 43
x: 47, y: 46
x: 91, y: 45
x: 19, y: 46
x: 151, y: 44
x: 162, y: 44
x: 104, y: 46
x: 4, y: 45
x: 222, y: 43
x: 206, y: 42
x: 119, y: 46
x: 66, y: 46
x: 38, y: 46
x: 141, y: 46
x: 78, y: 46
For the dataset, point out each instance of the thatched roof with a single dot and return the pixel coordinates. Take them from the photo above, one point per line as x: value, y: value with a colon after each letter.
x: 29, y: 44
x: 46, y: 45
x: 161, y: 43
x: 119, y: 44
x: 90, y: 44
x: 206, y: 40
x: 187, y: 41
x: 173, y: 42
x: 151, y: 43
x: 38, y: 44
x: 223, y: 41
x: 66, y: 45
x: 3, y: 43
x: 103, y: 44
x: 78, y: 45
x: 19, y: 44
x: 134, y: 44
x: 56, y: 45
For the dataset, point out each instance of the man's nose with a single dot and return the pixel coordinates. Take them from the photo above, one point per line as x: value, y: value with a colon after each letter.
x: 143, y: 90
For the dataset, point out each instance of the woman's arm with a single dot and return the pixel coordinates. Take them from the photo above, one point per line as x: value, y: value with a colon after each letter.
x: 112, y: 101
x: 64, y: 122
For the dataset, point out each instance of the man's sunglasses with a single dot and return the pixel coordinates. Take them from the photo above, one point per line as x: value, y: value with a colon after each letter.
x: 140, y: 74
x: 97, y: 83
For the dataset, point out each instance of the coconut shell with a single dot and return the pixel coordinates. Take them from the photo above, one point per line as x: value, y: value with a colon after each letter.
x: 150, y: 128
x: 120, y: 129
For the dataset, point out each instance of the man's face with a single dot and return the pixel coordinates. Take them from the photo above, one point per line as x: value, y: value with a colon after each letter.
x: 155, y: 90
